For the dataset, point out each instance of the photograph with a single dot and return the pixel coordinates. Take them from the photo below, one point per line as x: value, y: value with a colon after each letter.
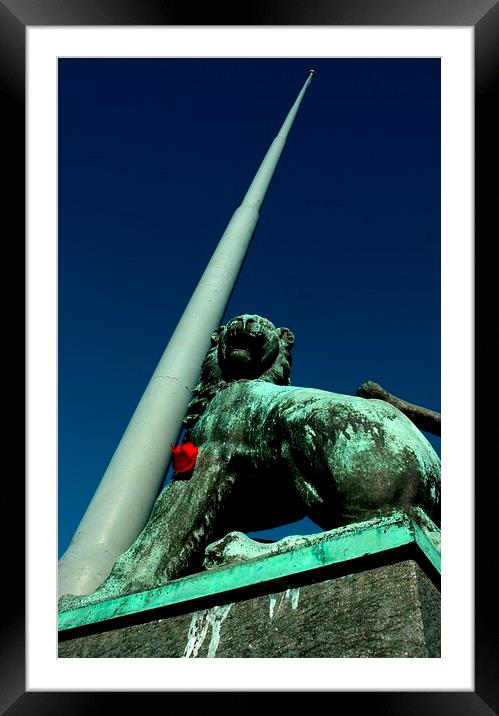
x: 335, y: 305
x: 249, y: 298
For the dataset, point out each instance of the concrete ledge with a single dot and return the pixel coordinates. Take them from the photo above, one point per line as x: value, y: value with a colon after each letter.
x: 293, y: 556
x: 390, y: 611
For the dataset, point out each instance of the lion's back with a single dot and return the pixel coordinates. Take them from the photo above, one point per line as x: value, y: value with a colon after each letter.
x: 372, y: 454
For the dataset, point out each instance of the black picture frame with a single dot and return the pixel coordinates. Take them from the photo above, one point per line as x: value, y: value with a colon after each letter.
x: 483, y: 16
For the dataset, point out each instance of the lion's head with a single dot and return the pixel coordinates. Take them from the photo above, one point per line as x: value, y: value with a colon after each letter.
x: 249, y: 347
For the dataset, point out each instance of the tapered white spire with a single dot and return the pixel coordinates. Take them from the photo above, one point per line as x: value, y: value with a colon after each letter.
x: 123, y: 501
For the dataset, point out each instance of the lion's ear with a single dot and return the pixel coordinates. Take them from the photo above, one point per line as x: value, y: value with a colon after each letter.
x: 286, y: 336
x: 216, y: 335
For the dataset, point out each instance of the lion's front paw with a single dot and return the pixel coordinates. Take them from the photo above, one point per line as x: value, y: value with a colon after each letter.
x: 234, y: 548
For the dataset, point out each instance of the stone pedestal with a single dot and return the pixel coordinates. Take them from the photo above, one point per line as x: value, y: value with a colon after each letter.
x: 392, y: 610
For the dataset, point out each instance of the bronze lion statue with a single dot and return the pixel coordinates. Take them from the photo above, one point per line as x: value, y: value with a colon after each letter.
x: 270, y: 453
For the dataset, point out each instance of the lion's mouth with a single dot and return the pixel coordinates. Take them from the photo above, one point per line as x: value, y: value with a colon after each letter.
x: 242, y: 342
x: 243, y: 349
x: 241, y: 355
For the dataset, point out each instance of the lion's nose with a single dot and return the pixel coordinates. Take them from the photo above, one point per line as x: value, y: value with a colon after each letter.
x: 236, y: 325
x: 242, y: 323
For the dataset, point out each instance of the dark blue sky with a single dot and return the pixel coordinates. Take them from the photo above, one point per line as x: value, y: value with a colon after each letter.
x: 155, y: 155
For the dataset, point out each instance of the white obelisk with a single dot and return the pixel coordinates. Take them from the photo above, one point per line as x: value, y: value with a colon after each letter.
x: 123, y: 501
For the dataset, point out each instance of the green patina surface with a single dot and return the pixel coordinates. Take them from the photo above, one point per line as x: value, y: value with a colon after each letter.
x: 270, y: 454
x: 336, y: 546
x: 427, y: 537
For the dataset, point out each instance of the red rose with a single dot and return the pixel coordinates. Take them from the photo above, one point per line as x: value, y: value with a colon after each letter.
x: 184, y: 457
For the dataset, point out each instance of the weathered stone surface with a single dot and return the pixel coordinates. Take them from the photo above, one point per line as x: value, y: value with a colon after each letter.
x: 390, y: 611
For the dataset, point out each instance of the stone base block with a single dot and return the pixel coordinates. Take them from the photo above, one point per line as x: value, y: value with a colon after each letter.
x: 390, y: 611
